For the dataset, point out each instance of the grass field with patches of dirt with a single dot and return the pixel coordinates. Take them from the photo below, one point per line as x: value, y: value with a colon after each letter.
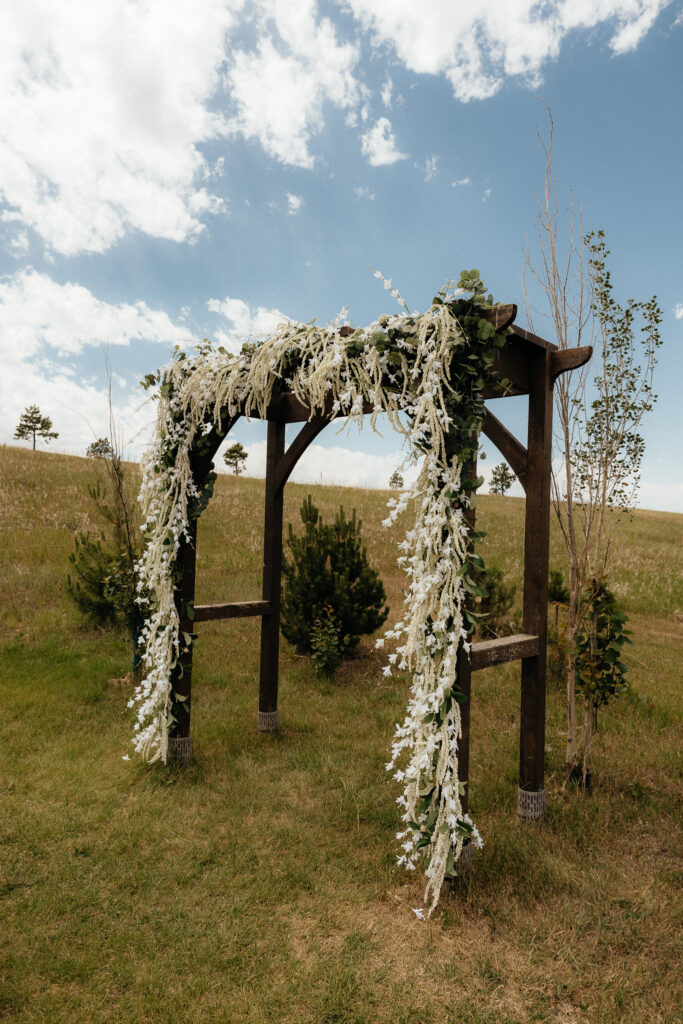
x: 260, y: 884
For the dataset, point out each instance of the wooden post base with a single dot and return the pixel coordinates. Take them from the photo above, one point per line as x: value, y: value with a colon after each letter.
x: 267, y: 721
x: 531, y: 804
x: 180, y: 749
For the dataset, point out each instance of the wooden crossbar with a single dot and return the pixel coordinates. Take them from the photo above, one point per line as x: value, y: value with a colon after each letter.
x: 234, y: 610
x: 506, y: 648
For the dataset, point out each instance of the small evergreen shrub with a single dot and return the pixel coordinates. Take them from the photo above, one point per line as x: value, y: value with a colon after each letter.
x: 331, y: 594
x: 327, y: 646
x: 495, y: 608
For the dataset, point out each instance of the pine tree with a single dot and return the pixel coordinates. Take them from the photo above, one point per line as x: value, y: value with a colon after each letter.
x: 235, y: 457
x: 502, y: 478
x: 33, y: 424
x: 332, y: 596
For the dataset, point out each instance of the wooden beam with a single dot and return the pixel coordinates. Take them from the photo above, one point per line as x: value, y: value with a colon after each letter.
x: 506, y: 648
x: 507, y: 444
x: 272, y: 569
x: 306, y: 436
x: 500, y: 316
x: 233, y: 610
x: 286, y: 408
x: 536, y: 547
x: 569, y: 359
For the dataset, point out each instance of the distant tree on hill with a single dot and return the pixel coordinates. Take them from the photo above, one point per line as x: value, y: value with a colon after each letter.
x: 396, y: 481
x: 502, y: 478
x: 235, y: 457
x: 33, y: 424
x: 100, y: 449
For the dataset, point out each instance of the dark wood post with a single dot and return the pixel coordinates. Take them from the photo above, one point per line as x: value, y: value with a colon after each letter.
x: 180, y: 739
x: 531, y: 794
x: 272, y: 567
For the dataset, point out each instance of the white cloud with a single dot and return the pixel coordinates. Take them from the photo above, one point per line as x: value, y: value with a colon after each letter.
x: 477, y: 46
x: 280, y: 89
x: 387, y: 89
x: 336, y: 465
x: 431, y: 168
x: 364, y: 193
x: 460, y: 181
x: 487, y: 195
x: 103, y: 107
x: 44, y: 326
x: 678, y: 311
x: 294, y: 203
x: 379, y: 144
x: 37, y: 312
x: 244, y: 321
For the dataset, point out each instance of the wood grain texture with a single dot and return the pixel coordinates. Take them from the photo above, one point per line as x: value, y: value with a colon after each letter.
x: 507, y: 444
x: 233, y: 610
x: 503, y: 649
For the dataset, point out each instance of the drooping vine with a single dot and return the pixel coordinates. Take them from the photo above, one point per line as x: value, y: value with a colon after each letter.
x: 427, y: 373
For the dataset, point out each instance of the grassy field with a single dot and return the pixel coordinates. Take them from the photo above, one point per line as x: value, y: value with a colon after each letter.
x: 260, y: 884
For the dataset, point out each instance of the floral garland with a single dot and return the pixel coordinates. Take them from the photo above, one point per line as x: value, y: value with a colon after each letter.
x: 432, y: 368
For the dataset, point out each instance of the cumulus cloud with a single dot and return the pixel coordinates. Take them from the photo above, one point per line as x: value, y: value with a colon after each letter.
x: 103, y: 108
x: 379, y: 144
x: 678, y: 311
x: 477, y: 46
x: 244, y: 321
x: 37, y: 312
x: 43, y: 327
x: 460, y: 181
x: 336, y: 465
x: 364, y: 193
x: 280, y: 89
x: 294, y: 203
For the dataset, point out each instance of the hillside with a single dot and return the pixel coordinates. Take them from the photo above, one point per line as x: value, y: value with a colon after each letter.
x: 261, y: 883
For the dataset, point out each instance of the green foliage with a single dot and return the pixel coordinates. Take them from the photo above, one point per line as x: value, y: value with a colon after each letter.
x: 92, y: 563
x: 33, y: 424
x: 502, y: 478
x: 607, y: 465
x: 332, y: 596
x: 558, y: 592
x: 327, y: 646
x: 104, y: 574
x: 235, y: 457
x: 601, y: 674
x: 558, y: 597
x: 496, y: 602
x: 100, y: 449
x: 396, y: 480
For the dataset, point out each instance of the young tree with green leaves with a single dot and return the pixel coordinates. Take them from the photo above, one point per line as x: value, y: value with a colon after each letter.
x: 235, y: 458
x: 598, y: 420
x: 502, y: 478
x: 33, y: 424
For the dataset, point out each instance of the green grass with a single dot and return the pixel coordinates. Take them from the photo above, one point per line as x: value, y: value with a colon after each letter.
x: 261, y: 883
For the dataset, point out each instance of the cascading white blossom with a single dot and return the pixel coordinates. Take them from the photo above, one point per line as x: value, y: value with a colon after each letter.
x: 409, y: 375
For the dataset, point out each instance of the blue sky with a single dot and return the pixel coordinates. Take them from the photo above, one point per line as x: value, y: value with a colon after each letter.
x: 197, y: 168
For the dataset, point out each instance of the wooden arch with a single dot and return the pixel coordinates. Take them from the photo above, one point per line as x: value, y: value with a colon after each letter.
x: 531, y: 366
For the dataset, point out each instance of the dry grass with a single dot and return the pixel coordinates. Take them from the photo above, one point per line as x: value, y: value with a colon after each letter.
x: 260, y: 883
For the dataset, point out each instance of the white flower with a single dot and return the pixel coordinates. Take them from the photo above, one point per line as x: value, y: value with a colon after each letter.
x: 419, y: 913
